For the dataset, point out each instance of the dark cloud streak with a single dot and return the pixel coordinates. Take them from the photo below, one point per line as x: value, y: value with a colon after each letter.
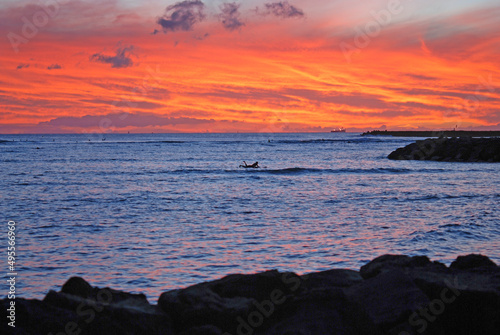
x: 54, y: 67
x: 230, y: 16
x: 421, y: 77
x: 283, y: 9
x: 122, y: 120
x: 182, y: 16
x: 120, y: 60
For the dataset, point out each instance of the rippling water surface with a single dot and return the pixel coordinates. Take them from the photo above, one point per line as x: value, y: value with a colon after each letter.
x: 148, y: 213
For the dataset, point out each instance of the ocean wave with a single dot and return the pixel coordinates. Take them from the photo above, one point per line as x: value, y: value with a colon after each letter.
x: 293, y: 171
x: 446, y: 196
x: 425, y: 198
x: 298, y: 170
x: 321, y: 140
x: 458, y: 196
x: 336, y: 140
x: 133, y: 142
x: 451, y: 225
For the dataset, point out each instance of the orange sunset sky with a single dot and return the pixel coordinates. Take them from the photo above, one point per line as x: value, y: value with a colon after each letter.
x: 72, y: 66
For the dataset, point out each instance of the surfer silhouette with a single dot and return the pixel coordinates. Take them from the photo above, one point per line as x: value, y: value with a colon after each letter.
x: 254, y: 165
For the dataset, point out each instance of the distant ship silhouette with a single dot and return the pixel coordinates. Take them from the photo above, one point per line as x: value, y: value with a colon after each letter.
x: 339, y: 130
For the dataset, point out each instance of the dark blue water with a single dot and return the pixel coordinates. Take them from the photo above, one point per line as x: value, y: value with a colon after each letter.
x: 147, y: 213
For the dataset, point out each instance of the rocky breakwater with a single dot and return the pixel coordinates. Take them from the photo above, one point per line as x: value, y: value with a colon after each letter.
x: 463, y: 149
x: 392, y: 294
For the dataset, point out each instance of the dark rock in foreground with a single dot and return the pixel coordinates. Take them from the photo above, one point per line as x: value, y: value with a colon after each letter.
x: 451, y: 150
x: 390, y: 295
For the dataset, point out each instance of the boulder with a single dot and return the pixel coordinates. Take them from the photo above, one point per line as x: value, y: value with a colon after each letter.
x: 222, y: 302
x: 320, y: 311
x: 83, y: 309
x: 332, y: 278
x: 462, y: 299
x: 391, y: 262
x: 389, y: 298
x: 472, y: 261
x: 77, y: 286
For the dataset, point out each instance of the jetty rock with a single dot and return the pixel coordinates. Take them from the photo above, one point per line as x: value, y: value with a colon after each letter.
x: 463, y: 149
x: 393, y: 294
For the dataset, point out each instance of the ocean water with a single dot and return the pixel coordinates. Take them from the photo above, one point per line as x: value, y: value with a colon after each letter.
x: 153, y: 212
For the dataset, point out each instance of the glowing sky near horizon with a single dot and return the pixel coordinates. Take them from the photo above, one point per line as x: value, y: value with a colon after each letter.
x: 248, y: 66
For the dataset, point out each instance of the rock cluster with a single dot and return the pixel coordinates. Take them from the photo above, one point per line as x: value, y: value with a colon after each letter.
x: 392, y: 294
x: 464, y: 149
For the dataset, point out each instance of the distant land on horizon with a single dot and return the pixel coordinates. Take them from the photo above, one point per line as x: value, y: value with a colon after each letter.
x: 405, y: 132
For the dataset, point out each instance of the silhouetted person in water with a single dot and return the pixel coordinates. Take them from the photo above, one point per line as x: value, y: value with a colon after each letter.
x: 254, y: 165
